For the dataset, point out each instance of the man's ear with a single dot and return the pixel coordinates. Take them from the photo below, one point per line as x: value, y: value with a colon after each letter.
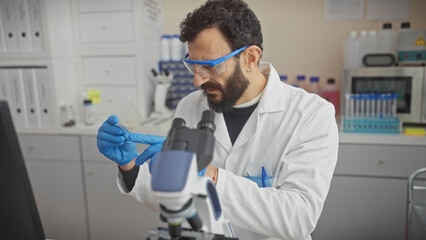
x: 251, y: 55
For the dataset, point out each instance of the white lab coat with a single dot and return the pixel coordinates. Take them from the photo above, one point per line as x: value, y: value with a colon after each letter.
x: 293, y: 132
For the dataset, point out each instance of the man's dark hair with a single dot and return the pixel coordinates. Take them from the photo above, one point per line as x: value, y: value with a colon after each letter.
x: 237, y: 22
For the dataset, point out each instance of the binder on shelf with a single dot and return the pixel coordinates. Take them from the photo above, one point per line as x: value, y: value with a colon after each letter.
x: 35, y: 24
x: 31, y: 97
x: 45, y: 105
x: 2, y: 40
x: 7, y: 11
x: 25, y: 42
x: 4, y: 86
x: 17, y: 102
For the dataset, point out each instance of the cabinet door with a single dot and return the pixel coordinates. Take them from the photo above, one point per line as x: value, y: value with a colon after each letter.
x: 363, y: 208
x: 58, y: 190
x: 55, y: 171
x: 113, y: 215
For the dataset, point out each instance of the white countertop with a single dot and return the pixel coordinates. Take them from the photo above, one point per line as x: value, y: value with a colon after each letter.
x: 163, y: 127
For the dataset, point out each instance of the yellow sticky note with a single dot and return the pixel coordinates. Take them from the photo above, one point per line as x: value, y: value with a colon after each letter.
x: 415, y: 131
x: 94, y: 95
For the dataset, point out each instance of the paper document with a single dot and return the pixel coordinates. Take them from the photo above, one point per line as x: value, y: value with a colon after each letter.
x: 343, y: 10
x: 388, y: 10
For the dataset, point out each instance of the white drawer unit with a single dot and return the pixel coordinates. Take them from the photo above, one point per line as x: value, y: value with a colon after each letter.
x: 106, y: 27
x: 50, y: 147
x: 103, y: 5
x: 379, y: 160
x: 118, y: 71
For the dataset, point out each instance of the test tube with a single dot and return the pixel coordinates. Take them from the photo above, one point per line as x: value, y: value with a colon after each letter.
x: 347, y: 105
x: 357, y: 105
x: 373, y: 105
x: 394, y: 99
x: 361, y: 105
x: 379, y: 106
x: 352, y: 106
x: 367, y: 105
x: 389, y: 104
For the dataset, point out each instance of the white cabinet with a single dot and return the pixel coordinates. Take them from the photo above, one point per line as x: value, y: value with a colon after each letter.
x: 55, y: 171
x: 112, y: 215
x: 363, y: 208
x: 368, y: 194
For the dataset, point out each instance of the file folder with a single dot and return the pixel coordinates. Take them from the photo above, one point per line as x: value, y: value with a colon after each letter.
x: 4, y: 85
x: 31, y: 98
x: 2, y: 40
x: 25, y: 42
x: 45, y: 104
x: 35, y: 25
x: 17, y: 97
x: 7, y: 11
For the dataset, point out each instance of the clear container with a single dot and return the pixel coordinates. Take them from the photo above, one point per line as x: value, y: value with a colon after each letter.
x: 89, y: 115
x: 314, y: 85
x: 165, y: 48
x: 387, y: 39
x: 176, y: 47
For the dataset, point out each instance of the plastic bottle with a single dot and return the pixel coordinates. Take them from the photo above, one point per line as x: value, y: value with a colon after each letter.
x: 363, y: 47
x: 176, y: 48
x: 283, y: 78
x: 351, y: 48
x: 387, y: 39
x: 372, y: 42
x: 89, y: 115
x: 314, y: 85
x: 165, y: 48
x: 331, y: 93
x: 301, y: 83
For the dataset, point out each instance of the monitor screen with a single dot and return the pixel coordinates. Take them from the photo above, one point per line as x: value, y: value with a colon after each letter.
x: 19, y: 216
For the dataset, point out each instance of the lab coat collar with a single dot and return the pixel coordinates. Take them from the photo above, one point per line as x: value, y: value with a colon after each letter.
x: 272, y: 99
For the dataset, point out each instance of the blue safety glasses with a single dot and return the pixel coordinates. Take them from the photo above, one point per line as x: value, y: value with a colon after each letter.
x: 211, y: 68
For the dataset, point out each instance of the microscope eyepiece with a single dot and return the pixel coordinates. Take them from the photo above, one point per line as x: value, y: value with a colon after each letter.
x: 207, y: 121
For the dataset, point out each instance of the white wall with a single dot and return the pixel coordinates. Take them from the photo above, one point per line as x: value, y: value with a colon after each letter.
x: 296, y: 38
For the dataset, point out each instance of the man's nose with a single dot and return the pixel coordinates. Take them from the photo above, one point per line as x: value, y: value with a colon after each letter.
x: 199, y: 79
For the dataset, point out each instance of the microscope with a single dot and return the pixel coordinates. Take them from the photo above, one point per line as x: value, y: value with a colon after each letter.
x: 183, y: 196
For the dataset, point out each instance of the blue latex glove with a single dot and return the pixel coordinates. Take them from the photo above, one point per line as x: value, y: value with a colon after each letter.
x: 113, y: 142
x: 155, y: 142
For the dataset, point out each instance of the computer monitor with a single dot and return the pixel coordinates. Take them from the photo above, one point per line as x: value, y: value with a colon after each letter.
x: 19, y: 218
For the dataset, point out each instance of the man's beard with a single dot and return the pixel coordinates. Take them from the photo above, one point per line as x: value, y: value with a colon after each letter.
x: 234, y: 88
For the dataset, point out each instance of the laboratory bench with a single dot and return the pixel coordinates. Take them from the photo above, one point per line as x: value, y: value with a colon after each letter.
x: 76, y: 192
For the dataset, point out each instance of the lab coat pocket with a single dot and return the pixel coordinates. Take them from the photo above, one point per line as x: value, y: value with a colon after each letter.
x: 260, y: 173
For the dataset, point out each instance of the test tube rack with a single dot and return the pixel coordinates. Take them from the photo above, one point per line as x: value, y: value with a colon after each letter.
x: 371, y: 113
x: 372, y: 125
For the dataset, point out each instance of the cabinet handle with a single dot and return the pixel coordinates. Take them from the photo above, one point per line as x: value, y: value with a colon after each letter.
x: 380, y: 162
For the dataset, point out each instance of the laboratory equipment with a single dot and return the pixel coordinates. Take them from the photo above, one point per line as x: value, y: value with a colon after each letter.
x: 411, y: 47
x: 331, y: 93
x: 180, y: 193
x: 19, y: 215
x: 408, y: 83
x: 416, y: 204
x: 163, y: 82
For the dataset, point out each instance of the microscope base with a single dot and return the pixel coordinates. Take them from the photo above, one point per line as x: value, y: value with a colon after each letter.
x: 187, y: 234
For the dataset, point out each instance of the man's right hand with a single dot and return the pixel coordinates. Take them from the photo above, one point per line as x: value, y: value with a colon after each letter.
x: 113, y: 142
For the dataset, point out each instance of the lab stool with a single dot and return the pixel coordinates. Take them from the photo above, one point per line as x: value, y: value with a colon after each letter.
x: 416, y: 204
